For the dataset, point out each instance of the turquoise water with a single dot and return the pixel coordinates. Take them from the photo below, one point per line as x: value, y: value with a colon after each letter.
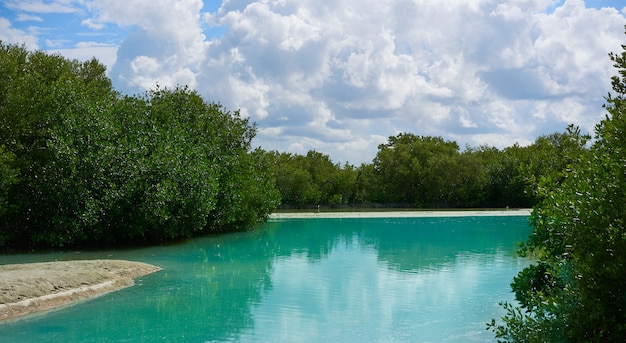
x: 303, y: 280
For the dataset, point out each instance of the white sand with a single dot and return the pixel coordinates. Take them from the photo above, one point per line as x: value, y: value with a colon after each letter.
x: 401, y: 214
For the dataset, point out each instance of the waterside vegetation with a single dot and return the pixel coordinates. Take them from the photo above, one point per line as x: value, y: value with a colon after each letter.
x: 81, y: 164
x: 576, y: 289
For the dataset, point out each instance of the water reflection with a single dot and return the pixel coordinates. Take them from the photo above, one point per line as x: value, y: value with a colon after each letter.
x: 391, y: 280
x: 365, y: 280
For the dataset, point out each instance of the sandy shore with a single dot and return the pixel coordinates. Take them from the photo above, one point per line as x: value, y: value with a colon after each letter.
x: 400, y: 214
x: 35, y: 287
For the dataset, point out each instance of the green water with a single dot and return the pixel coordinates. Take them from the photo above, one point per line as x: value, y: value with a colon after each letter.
x: 303, y: 280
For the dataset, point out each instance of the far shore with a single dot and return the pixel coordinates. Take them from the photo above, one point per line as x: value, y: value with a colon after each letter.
x: 412, y: 213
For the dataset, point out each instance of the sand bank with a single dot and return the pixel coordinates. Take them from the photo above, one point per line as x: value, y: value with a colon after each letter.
x: 35, y: 287
x: 399, y: 214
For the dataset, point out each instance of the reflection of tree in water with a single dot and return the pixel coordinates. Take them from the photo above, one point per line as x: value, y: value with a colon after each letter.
x: 314, y: 238
x: 417, y: 244
x: 405, y: 244
x: 218, y: 285
x: 204, y: 293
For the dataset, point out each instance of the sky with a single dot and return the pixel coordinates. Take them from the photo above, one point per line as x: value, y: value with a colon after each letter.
x: 342, y: 76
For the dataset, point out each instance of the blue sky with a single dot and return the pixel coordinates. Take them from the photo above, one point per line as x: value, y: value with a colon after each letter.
x: 341, y: 77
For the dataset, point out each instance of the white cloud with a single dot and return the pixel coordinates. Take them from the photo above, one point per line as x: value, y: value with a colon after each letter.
x: 145, y: 65
x: 93, y: 24
x: 51, y: 44
x: 176, y: 23
x: 251, y: 95
x: 105, y: 53
x: 42, y: 6
x: 11, y: 35
x: 566, y: 46
x: 26, y: 17
x: 465, y: 119
x: 147, y: 74
x: 166, y: 49
x: 337, y: 76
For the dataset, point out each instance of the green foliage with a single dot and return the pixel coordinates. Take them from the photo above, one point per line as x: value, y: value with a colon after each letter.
x: 403, y: 167
x: 36, y: 92
x: 247, y: 194
x: 576, y: 292
x: 549, y: 155
x: 505, y: 184
x: 423, y: 171
x: 427, y: 171
x: 313, y: 179
x: 294, y: 181
x: 8, y: 177
x: 80, y: 164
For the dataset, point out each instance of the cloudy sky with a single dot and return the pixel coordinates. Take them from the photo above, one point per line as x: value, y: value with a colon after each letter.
x: 342, y: 76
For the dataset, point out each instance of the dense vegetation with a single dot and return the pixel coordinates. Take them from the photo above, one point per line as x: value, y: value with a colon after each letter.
x: 576, y: 289
x: 427, y: 172
x: 81, y: 164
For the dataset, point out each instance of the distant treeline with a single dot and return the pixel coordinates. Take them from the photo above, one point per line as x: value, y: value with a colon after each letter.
x: 427, y: 172
x: 82, y: 164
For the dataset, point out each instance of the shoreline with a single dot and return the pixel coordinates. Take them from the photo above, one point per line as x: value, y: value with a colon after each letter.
x: 36, y: 288
x: 399, y: 214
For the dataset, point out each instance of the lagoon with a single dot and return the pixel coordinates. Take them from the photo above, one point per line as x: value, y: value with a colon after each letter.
x: 387, y: 279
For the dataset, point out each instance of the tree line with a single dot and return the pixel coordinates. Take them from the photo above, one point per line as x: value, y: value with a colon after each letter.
x: 427, y: 172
